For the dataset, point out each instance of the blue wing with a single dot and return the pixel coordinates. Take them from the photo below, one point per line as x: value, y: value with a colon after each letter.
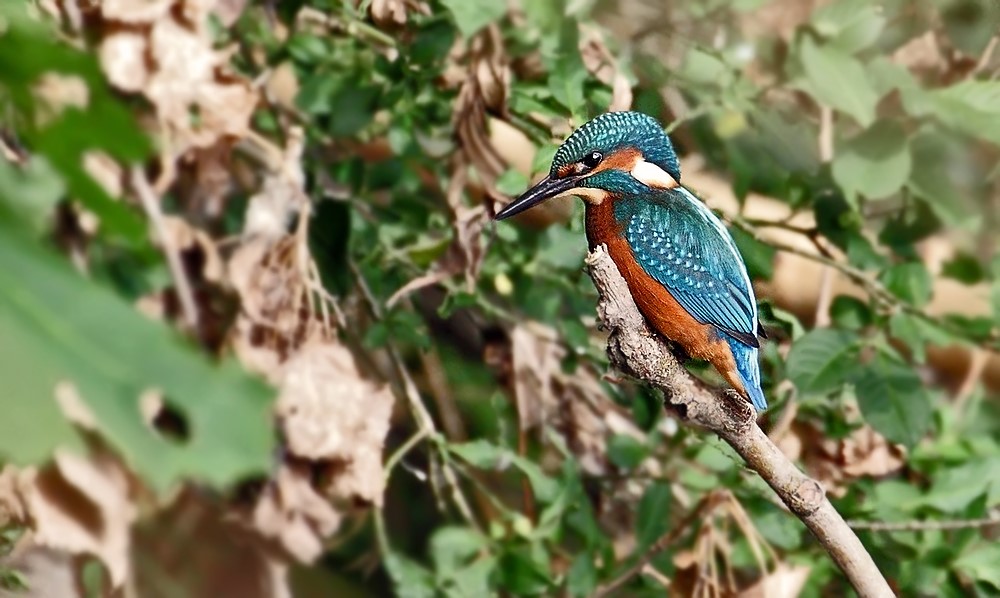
x: 679, y: 242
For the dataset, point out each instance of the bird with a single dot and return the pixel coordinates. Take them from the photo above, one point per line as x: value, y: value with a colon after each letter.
x: 680, y: 262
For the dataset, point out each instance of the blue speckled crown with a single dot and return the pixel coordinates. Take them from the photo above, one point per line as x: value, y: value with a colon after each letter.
x: 615, y: 130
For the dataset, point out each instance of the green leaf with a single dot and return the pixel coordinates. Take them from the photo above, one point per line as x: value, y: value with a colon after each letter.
x: 837, y: 79
x: 409, y: 579
x: 512, y: 183
x: 916, y: 333
x: 472, y: 15
x: 850, y: 312
x: 981, y: 563
x: 972, y: 107
x: 582, y: 576
x: 524, y: 572
x: 562, y: 248
x: 995, y: 287
x: 875, y: 163
x: 31, y: 191
x: 969, y: 24
x: 625, y: 451
x: 779, y: 528
x: 57, y: 326
x: 964, y: 268
x: 820, y: 361
x: 759, y: 256
x: 651, y: 518
x: 955, y: 488
x: 567, y: 73
x: 850, y: 25
x: 485, y: 455
x: 452, y: 547
x: 27, y: 51
x: 911, y: 282
x: 893, y: 399
x: 940, y: 156
x: 471, y: 580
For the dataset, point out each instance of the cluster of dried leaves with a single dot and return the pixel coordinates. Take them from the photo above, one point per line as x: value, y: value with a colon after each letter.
x: 332, y: 418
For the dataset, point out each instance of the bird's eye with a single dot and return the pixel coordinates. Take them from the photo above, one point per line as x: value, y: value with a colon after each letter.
x: 592, y: 159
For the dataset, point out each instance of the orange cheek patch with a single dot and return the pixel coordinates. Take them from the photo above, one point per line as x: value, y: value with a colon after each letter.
x: 623, y: 159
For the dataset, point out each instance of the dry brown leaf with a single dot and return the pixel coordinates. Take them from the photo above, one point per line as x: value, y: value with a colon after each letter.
x: 835, y: 462
x: 174, y: 63
x: 136, y: 11
x: 922, y: 55
x: 537, y: 356
x: 483, y: 89
x: 205, y: 552
x: 12, y: 506
x: 388, y: 13
x: 283, y: 85
x: 56, y: 92
x: 186, y: 79
x: 332, y: 419
x: 82, y: 506
x: 73, y: 407
x: 123, y: 56
x: 868, y: 453
x: 292, y: 513
x: 597, y: 59
x: 105, y: 171
x: 786, y: 581
x: 48, y: 573
x: 330, y: 413
x: 228, y: 11
x: 779, y: 17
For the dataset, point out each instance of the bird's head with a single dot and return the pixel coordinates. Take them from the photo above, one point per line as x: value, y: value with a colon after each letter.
x: 615, y: 153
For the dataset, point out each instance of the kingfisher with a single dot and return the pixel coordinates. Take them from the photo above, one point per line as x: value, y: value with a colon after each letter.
x: 680, y: 262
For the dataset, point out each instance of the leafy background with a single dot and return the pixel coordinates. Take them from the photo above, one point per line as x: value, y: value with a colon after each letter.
x: 258, y: 331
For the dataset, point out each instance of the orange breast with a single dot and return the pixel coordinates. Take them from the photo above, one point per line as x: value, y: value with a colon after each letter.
x: 657, y: 305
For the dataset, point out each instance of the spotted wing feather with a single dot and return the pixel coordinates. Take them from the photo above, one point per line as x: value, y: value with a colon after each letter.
x: 681, y: 244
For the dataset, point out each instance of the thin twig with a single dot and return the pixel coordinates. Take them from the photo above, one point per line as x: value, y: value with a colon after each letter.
x: 977, y: 365
x: 924, y: 526
x: 661, y: 544
x: 151, y: 204
x: 985, y: 57
x: 822, y: 318
x: 825, y: 299
x: 412, y: 395
x: 637, y: 351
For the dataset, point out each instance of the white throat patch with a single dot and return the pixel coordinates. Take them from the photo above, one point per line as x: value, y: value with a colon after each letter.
x: 590, y: 195
x: 651, y: 175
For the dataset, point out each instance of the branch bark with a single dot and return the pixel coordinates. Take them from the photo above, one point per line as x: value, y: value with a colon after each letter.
x: 635, y: 350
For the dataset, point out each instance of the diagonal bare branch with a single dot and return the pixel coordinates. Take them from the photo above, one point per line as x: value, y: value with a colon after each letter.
x: 637, y: 351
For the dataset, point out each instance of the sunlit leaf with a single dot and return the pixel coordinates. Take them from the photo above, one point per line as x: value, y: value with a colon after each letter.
x: 971, y: 106
x: 875, y: 163
x: 980, y: 563
x: 837, y: 79
x: 850, y: 25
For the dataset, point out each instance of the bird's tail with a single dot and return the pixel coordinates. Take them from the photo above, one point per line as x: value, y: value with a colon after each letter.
x: 749, y: 370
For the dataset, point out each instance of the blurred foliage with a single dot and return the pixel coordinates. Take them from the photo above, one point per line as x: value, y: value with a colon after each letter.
x: 880, y: 125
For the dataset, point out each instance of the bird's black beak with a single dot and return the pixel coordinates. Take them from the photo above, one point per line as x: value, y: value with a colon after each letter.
x: 546, y: 188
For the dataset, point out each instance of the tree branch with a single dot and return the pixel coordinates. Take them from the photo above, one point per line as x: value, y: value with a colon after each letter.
x: 640, y: 353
